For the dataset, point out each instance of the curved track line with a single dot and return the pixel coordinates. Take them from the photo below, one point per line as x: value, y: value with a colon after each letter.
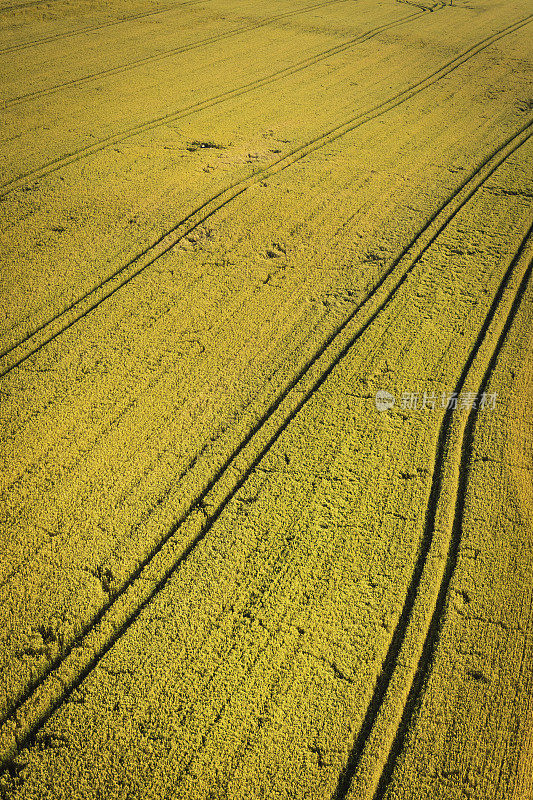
x: 30, y: 712
x: 419, y: 672
x: 121, y: 277
x: 195, y: 45
x: 427, y: 655
x: 12, y: 48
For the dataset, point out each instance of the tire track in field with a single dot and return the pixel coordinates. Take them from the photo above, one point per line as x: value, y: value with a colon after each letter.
x: 52, y: 38
x: 102, y: 144
x: 444, y: 453
x: 37, y: 703
x: 211, y: 675
x: 77, y: 155
x: 419, y: 674
x: 23, y: 5
x: 428, y: 652
x: 88, y: 302
x: 210, y: 40
x: 480, y: 174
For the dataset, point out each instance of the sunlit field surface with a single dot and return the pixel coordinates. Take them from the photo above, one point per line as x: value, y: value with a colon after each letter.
x: 266, y: 398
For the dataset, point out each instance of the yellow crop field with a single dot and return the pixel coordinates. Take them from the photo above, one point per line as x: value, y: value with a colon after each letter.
x: 266, y: 400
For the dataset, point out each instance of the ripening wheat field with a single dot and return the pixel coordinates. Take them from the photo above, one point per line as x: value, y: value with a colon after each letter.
x: 266, y: 399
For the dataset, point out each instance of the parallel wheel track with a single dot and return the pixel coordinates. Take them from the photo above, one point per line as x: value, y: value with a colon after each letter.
x: 23, y: 45
x: 108, y: 141
x: 428, y: 651
x: 91, y: 299
x: 211, y: 40
x: 29, y: 713
x: 444, y: 452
